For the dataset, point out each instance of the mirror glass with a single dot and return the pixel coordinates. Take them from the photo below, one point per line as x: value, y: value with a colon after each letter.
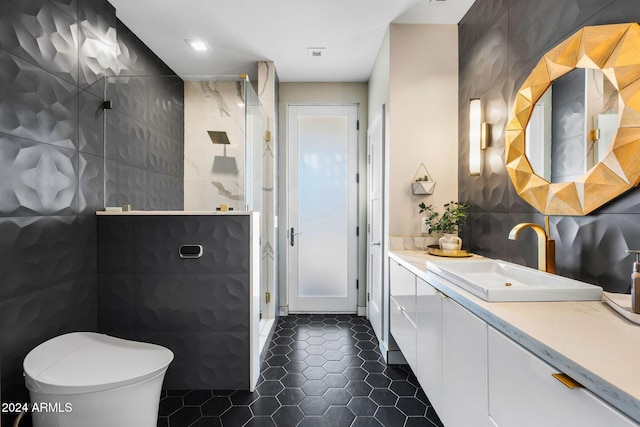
x: 572, y: 125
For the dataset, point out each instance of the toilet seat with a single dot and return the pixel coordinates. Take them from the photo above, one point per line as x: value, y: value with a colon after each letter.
x: 85, y: 362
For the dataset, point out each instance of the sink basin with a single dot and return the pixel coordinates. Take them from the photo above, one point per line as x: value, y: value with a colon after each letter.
x: 495, y: 280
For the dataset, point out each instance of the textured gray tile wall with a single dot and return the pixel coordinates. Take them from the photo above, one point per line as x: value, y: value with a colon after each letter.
x: 199, y: 308
x: 54, y: 56
x: 500, y: 42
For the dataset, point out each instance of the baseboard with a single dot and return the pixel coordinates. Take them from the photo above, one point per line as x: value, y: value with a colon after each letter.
x: 395, y: 357
x: 283, y: 311
x: 362, y: 310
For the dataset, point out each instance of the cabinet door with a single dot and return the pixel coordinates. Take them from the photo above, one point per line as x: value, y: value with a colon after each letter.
x: 523, y: 393
x: 464, y: 354
x: 403, y: 331
x: 402, y: 316
x: 429, y: 341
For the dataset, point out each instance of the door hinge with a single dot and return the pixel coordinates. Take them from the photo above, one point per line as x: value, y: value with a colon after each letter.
x: 358, y: 177
x: 357, y: 124
x: 357, y: 231
x: 368, y: 228
x: 357, y: 284
x: 368, y: 158
x: 368, y: 296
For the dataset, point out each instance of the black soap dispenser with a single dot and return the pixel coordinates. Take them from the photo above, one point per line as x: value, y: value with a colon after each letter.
x: 635, y: 282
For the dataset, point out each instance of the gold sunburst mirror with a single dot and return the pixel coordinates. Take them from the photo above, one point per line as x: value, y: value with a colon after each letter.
x: 614, y: 49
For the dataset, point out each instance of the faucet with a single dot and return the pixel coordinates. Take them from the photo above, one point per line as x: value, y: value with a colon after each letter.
x: 546, y: 246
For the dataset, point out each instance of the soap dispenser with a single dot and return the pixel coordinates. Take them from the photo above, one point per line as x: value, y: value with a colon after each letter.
x: 635, y: 282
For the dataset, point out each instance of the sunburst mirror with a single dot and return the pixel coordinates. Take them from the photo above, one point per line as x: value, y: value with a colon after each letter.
x: 614, y: 49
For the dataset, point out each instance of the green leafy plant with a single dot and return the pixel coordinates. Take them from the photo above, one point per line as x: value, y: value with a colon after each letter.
x: 454, y: 216
x: 423, y: 178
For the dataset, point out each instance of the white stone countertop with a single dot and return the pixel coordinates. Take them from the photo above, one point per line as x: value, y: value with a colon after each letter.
x: 586, y: 340
x: 174, y: 213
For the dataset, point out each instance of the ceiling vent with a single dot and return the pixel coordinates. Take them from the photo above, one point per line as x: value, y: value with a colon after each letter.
x: 316, y: 52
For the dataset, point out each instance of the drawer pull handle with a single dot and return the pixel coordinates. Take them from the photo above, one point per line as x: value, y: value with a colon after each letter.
x: 567, y: 381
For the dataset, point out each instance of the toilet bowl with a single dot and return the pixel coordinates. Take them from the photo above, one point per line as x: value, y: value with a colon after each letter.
x: 88, y: 379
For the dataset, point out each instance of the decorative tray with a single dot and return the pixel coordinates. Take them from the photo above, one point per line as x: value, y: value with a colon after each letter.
x: 622, y: 304
x: 456, y: 253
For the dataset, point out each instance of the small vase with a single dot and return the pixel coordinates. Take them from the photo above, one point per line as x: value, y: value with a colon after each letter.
x: 450, y: 242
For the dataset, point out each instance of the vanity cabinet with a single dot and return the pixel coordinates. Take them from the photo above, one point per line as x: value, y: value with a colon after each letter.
x: 402, y: 316
x: 444, y: 344
x: 523, y: 393
x: 464, y: 367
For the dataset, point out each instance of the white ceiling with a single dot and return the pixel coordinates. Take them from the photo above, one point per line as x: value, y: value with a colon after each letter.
x: 241, y: 32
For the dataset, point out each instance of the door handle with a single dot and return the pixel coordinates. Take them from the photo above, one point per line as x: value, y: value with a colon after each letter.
x: 375, y: 244
x: 292, y: 236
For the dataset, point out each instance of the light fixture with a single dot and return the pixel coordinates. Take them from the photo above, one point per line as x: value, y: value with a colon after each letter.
x: 474, y: 136
x: 478, y: 136
x: 197, y: 45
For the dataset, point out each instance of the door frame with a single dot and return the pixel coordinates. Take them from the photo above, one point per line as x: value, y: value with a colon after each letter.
x: 376, y: 129
x: 355, y: 238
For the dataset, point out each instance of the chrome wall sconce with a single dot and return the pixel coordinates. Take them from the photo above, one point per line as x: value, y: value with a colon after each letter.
x: 479, y: 134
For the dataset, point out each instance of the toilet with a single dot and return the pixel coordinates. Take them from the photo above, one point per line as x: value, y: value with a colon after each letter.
x: 88, y: 379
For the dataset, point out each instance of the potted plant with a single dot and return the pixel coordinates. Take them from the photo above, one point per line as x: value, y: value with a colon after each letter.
x: 454, y: 216
x: 423, y: 185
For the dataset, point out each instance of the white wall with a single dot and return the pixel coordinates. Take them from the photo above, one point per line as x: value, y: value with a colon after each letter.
x: 423, y: 108
x: 322, y: 93
x: 379, y: 81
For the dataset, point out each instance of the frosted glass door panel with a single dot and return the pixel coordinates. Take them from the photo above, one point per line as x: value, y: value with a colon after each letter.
x: 322, y: 214
x: 322, y: 206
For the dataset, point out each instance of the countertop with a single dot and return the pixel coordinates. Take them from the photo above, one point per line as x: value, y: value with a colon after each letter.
x: 586, y: 340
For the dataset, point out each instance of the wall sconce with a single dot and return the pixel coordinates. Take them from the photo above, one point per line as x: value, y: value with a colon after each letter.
x: 478, y: 136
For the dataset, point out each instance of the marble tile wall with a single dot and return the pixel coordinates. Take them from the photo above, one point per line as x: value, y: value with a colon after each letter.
x: 217, y: 106
x: 54, y: 57
x: 500, y: 42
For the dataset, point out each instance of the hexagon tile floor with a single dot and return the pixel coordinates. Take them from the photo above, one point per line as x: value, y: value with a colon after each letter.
x: 320, y: 370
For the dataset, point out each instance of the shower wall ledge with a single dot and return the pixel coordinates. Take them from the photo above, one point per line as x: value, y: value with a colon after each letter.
x: 143, y: 213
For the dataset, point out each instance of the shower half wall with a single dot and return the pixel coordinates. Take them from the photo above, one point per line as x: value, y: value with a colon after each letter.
x: 225, y: 159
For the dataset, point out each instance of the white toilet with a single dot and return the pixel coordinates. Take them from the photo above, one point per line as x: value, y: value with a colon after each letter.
x: 87, y: 379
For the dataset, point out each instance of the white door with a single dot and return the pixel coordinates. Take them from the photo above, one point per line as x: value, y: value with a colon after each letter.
x: 322, y: 217
x: 375, y: 169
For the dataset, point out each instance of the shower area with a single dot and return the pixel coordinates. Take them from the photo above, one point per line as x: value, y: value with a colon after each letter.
x: 199, y: 152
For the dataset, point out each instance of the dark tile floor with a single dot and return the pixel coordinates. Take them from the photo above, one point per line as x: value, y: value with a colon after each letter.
x: 320, y: 370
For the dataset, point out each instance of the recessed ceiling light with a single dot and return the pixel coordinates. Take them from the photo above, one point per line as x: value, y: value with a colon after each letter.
x: 197, y: 45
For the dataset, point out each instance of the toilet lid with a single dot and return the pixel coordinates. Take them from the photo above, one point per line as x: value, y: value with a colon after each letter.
x: 84, y: 362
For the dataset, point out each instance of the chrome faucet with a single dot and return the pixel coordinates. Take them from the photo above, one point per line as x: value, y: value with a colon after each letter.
x: 546, y: 246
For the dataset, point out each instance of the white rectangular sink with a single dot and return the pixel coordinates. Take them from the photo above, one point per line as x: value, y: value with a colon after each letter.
x: 495, y: 280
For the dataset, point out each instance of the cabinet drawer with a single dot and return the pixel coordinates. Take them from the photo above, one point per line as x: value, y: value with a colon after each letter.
x: 404, y: 331
x: 523, y: 393
x: 402, y: 283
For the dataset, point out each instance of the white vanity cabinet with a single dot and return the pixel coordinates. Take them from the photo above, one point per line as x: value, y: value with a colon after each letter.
x: 402, y: 316
x: 523, y: 393
x: 444, y: 344
x: 429, y: 341
x: 464, y: 367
